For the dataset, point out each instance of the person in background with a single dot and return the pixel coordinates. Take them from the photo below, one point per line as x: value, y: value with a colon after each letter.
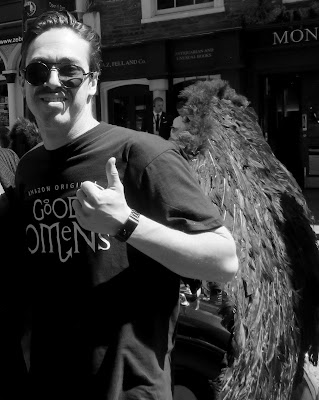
x: 111, y: 219
x: 179, y: 124
x: 12, y: 366
x: 23, y: 136
x: 4, y: 136
x: 8, y: 165
x: 158, y: 122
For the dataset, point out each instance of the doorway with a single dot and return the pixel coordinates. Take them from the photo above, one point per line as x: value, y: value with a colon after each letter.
x: 281, y: 120
x: 127, y: 105
x: 310, y: 128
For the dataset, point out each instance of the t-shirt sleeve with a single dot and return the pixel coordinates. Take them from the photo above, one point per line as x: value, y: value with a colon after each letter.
x: 173, y: 197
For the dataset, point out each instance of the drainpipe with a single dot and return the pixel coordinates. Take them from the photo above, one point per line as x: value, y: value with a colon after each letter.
x: 10, y: 76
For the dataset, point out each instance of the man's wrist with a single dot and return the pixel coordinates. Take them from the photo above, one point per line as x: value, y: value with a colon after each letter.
x: 129, y: 226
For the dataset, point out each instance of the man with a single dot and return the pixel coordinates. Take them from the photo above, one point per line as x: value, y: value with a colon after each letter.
x: 12, y: 366
x: 112, y: 219
x: 158, y: 122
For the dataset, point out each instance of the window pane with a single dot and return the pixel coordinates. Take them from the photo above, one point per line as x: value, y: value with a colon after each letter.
x: 181, y: 3
x: 162, y: 4
x: 201, y: 1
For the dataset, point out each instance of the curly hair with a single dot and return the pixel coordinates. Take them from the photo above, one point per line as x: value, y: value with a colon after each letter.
x: 23, y: 136
x: 63, y: 19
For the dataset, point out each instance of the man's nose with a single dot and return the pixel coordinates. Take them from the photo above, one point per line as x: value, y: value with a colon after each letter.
x: 53, y: 78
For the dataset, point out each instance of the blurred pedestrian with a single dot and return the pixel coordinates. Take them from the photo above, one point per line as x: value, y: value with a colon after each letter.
x: 12, y: 366
x: 179, y: 124
x: 8, y: 165
x: 4, y: 136
x: 24, y: 135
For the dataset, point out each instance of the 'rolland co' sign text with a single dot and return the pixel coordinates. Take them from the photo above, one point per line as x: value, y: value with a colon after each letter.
x: 296, y: 36
x: 124, y: 63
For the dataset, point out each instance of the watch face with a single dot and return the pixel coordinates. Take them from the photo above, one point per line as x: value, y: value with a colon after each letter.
x: 128, y: 228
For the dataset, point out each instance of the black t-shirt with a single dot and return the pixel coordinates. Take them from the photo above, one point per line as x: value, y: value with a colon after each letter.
x: 103, y: 315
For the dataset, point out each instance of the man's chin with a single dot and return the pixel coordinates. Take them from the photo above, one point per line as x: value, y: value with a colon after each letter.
x: 52, y: 120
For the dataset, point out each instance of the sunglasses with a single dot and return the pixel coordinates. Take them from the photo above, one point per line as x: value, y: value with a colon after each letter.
x: 70, y: 76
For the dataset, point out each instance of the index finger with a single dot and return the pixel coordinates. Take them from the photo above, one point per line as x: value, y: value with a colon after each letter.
x: 89, y: 191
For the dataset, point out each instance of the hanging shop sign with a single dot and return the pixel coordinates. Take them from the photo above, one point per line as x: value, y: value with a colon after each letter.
x: 140, y: 61
x: 30, y: 8
x: 35, y: 8
x: 15, y: 10
x: 61, y: 5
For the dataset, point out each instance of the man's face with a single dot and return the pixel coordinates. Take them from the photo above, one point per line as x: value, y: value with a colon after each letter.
x: 53, y: 105
x: 158, y: 106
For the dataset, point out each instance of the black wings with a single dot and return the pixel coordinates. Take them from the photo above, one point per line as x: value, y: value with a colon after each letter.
x: 275, y: 292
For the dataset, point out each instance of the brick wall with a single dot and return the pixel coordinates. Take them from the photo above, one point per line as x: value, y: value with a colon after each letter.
x: 121, y: 22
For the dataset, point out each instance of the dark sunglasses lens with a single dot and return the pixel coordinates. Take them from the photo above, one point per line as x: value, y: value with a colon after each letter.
x: 71, y: 76
x: 36, y: 74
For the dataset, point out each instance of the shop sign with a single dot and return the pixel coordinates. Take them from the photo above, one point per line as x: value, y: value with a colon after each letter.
x: 282, y: 37
x: 61, y: 5
x: 36, y: 7
x: 295, y: 36
x: 204, y: 53
x: 146, y: 61
x: 125, y: 63
x: 13, y: 10
x: 11, y: 40
x: 12, y: 35
x: 194, y: 54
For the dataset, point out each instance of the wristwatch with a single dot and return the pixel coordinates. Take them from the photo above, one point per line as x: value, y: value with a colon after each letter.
x: 129, y: 226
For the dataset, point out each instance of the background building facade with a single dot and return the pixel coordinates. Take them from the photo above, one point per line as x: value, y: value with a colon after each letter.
x: 266, y: 49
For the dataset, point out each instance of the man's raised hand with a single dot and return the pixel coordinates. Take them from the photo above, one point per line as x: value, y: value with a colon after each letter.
x: 102, y: 210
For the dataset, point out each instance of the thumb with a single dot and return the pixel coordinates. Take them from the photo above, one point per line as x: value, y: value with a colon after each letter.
x: 112, y: 174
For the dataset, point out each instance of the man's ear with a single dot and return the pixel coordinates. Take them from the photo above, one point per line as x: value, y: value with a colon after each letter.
x: 94, y: 78
x: 22, y: 84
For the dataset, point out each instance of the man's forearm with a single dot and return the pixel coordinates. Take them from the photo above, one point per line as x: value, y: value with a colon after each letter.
x: 208, y: 256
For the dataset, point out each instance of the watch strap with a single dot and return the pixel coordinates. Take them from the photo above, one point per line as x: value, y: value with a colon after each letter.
x: 129, y: 226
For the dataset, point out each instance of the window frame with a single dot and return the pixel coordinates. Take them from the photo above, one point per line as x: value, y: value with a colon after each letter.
x: 151, y: 14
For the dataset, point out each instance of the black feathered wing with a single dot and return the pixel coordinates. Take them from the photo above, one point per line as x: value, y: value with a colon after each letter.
x: 274, y: 294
